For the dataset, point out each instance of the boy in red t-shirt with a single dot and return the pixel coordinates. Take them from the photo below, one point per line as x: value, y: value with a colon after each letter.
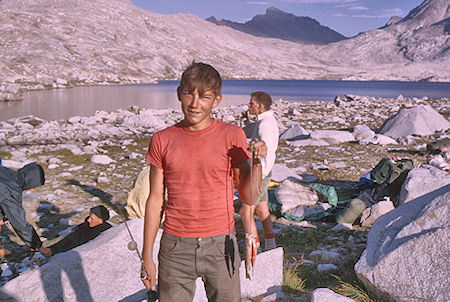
x: 198, y: 160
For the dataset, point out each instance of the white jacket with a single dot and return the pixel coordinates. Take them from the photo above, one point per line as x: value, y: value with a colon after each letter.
x: 266, y: 129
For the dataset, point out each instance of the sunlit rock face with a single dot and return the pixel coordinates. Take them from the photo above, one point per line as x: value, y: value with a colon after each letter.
x: 49, y: 43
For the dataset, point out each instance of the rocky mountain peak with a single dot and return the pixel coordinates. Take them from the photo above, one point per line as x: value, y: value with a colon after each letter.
x: 276, y: 23
x: 427, y: 13
x: 273, y: 10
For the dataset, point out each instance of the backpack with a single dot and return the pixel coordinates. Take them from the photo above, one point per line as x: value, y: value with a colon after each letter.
x: 389, y: 175
x: 438, y: 146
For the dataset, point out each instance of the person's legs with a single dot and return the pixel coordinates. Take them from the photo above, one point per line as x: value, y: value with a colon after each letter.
x: 262, y: 210
x: 218, y: 263
x: 176, y: 269
x: 248, y: 220
x: 3, y: 252
x: 247, y: 212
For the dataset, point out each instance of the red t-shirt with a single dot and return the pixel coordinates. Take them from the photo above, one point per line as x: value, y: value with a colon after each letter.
x: 198, y: 176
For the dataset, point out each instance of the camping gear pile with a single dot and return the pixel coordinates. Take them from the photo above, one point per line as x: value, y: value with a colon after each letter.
x: 439, y: 154
x: 297, y: 201
x: 383, y: 183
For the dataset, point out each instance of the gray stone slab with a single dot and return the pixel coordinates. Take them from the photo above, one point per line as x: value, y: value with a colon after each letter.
x: 104, y: 269
x: 406, y: 258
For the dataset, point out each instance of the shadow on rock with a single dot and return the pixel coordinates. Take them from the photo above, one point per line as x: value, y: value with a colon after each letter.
x: 55, y: 279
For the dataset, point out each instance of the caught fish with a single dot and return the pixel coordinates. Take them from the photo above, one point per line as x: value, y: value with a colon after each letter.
x: 250, y: 255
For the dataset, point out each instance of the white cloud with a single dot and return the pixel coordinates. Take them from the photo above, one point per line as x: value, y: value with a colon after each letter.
x: 392, y: 12
x: 358, y: 7
x: 346, y: 5
x: 367, y: 16
x: 320, y: 1
x: 384, y: 13
x: 258, y: 2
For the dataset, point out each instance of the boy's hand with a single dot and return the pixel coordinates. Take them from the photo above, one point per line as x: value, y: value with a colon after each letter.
x: 45, y: 251
x: 260, y: 149
x: 148, y: 275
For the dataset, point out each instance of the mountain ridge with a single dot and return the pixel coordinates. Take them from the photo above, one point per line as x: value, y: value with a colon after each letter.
x: 276, y: 23
x: 65, y: 43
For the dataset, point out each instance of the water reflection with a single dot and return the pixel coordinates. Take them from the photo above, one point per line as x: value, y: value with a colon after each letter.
x: 85, y: 101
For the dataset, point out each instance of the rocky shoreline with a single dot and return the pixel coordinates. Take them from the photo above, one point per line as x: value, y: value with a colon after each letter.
x: 136, y: 123
x: 94, y: 160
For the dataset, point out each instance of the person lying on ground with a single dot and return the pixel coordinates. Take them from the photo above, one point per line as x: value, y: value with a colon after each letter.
x: 12, y: 184
x: 94, y: 224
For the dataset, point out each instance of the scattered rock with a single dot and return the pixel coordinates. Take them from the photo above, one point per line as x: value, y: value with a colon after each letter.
x: 295, y: 132
x: 342, y: 227
x: 326, y: 267
x: 369, y: 215
x: 281, y: 172
x: 362, y: 132
x: 102, y: 159
x: 338, y: 165
x: 327, y: 295
x: 421, y: 120
x: 378, y: 139
x: 307, y: 142
x: 332, y: 136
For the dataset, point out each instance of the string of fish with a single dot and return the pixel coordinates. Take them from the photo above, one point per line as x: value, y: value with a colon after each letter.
x: 251, y: 244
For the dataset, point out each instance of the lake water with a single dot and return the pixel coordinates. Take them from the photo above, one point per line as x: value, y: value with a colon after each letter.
x: 84, y: 101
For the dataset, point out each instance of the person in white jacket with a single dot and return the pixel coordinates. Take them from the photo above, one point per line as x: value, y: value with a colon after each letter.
x: 264, y: 129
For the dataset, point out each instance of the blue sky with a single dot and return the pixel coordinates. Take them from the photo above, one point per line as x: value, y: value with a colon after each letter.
x: 348, y: 17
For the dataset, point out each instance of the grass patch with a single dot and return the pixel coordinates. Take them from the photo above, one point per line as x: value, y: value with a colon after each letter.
x: 293, y: 284
x: 313, y: 278
x: 305, y: 241
x: 353, y: 291
x: 4, y: 154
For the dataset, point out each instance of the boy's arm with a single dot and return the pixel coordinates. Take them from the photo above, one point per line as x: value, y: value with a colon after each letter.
x: 153, y: 213
x: 248, y: 191
x: 15, y: 213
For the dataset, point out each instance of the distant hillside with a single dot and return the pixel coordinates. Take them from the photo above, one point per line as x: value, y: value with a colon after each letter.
x: 54, y: 43
x: 427, y: 13
x: 281, y: 25
x: 412, y: 45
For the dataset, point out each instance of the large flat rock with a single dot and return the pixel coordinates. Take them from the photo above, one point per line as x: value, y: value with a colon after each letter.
x: 406, y: 258
x: 104, y: 269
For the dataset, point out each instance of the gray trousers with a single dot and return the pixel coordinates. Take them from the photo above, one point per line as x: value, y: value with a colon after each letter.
x: 182, y: 260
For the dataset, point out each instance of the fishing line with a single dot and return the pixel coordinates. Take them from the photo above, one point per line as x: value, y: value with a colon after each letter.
x: 151, y: 295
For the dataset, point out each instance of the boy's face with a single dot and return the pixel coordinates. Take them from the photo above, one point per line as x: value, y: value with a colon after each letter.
x: 93, y: 220
x: 254, y: 106
x: 197, y: 109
